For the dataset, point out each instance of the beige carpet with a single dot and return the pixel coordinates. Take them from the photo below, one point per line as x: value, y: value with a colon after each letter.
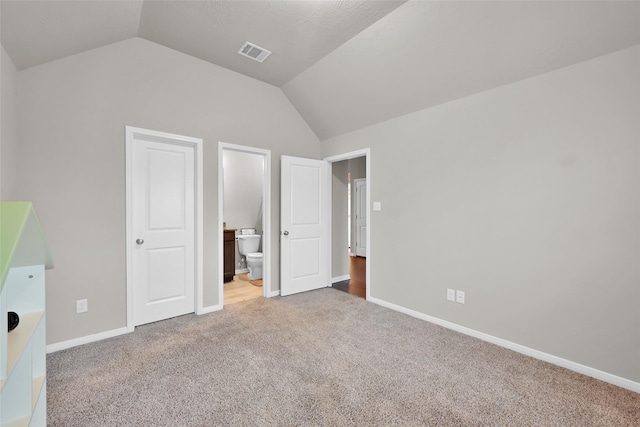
x: 323, y: 358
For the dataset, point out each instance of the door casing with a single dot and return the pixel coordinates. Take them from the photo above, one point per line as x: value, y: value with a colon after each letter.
x: 132, y: 133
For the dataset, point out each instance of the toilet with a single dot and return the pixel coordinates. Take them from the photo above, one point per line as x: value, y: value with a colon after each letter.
x: 248, y: 245
x: 254, y: 262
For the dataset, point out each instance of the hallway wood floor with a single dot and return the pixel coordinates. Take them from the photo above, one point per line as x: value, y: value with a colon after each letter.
x: 357, y: 285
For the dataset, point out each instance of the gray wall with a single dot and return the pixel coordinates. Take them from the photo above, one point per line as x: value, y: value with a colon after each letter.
x: 339, y: 229
x: 8, y: 129
x: 72, y: 115
x: 243, y: 176
x: 526, y: 197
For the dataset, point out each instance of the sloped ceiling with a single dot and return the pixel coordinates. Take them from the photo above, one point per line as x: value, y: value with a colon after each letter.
x: 427, y: 53
x: 343, y: 64
x: 298, y: 33
x: 35, y: 32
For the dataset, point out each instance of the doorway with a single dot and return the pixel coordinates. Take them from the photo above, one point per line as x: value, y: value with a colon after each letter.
x: 306, y: 205
x: 244, y: 204
x: 163, y: 225
x: 344, y: 257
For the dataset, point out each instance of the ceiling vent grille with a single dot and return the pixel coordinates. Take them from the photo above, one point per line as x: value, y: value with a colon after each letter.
x: 254, y: 52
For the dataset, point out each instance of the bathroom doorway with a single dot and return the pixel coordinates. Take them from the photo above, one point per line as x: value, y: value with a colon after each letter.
x: 244, y: 187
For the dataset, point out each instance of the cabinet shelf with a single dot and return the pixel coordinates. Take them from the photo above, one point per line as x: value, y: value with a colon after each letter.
x: 22, y: 422
x: 19, y: 338
x: 38, y: 386
x: 23, y: 258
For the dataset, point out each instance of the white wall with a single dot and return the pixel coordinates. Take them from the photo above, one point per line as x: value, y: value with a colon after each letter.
x: 243, y: 179
x: 526, y: 197
x: 8, y: 129
x: 72, y: 115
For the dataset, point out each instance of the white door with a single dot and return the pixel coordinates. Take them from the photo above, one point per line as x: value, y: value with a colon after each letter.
x: 361, y: 217
x: 305, y: 227
x: 163, y: 227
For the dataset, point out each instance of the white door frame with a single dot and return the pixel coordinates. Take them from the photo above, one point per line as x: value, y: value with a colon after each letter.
x: 266, y: 218
x: 167, y: 138
x: 366, y: 152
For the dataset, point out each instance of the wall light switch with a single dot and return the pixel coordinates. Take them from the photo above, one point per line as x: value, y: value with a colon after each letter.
x: 377, y: 206
x: 451, y: 295
x: 460, y: 297
x: 82, y: 306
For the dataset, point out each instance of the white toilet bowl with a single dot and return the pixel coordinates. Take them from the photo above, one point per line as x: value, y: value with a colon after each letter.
x: 254, y: 263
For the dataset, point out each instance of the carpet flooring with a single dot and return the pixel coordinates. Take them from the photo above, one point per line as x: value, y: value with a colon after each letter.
x: 322, y: 358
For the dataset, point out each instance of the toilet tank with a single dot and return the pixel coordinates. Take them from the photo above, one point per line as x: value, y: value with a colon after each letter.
x: 248, y: 243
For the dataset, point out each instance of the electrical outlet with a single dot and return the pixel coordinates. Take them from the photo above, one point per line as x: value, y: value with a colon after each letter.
x: 460, y: 297
x: 82, y: 306
x: 451, y: 295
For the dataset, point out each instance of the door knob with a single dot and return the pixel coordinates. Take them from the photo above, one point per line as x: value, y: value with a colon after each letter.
x: 140, y: 241
x: 286, y: 233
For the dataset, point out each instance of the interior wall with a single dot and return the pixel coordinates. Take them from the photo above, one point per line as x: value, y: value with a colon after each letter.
x: 72, y: 115
x: 243, y: 176
x: 526, y: 197
x: 8, y: 129
x: 339, y: 225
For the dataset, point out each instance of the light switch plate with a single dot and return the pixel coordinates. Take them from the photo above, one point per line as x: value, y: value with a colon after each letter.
x: 377, y: 206
x: 82, y: 306
x: 460, y: 297
x: 451, y: 295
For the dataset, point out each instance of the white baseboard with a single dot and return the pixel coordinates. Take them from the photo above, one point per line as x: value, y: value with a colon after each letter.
x: 210, y: 309
x: 242, y: 270
x: 273, y: 294
x: 340, y: 278
x: 568, y: 364
x: 52, y: 348
x: 352, y: 254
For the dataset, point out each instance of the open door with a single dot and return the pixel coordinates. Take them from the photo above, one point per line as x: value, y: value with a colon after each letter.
x: 305, y: 227
x: 361, y: 217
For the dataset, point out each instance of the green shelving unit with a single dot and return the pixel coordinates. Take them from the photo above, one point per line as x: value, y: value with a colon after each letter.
x: 24, y: 256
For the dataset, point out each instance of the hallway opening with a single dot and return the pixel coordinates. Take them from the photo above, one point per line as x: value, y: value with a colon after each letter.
x: 357, y: 284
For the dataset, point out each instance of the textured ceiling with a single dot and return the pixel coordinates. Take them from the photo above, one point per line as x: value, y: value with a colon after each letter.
x: 344, y: 64
x: 35, y: 32
x: 299, y: 33
x: 427, y: 53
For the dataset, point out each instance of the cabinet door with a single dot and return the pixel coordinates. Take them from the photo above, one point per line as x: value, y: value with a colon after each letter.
x: 229, y: 255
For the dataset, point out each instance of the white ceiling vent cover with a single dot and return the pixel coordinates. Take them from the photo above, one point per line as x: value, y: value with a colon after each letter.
x: 254, y: 52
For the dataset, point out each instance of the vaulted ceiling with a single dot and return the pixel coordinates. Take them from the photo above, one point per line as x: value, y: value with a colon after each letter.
x: 343, y: 64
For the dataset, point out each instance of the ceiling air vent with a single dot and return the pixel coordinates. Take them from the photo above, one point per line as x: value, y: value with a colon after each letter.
x: 254, y: 52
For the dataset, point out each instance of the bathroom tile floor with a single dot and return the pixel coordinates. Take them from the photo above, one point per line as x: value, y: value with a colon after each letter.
x: 240, y: 289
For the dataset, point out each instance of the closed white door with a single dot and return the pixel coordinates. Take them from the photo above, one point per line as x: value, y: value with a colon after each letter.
x: 305, y: 227
x: 361, y: 216
x: 163, y: 227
